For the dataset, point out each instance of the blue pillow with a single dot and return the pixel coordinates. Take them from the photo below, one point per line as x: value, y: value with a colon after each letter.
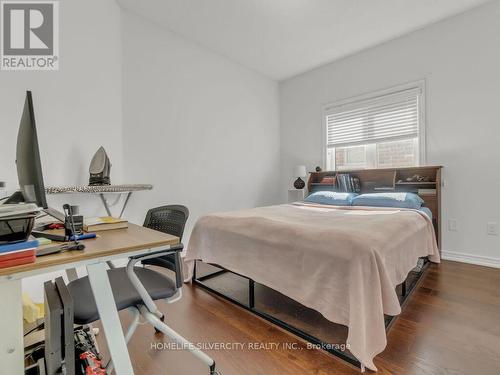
x: 399, y: 200
x: 331, y: 197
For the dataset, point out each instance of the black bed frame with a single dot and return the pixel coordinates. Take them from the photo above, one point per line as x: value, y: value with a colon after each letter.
x: 406, y: 291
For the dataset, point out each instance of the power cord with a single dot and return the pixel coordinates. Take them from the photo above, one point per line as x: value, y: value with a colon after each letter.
x: 37, y: 328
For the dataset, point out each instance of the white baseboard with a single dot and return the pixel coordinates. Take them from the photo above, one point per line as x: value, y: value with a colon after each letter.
x: 479, y: 260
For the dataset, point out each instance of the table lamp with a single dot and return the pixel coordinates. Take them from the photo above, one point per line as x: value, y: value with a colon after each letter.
x: 299, y: 171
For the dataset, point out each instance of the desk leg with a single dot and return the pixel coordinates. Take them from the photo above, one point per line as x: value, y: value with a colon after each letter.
x: 11, y: 328
x: 110, y: 320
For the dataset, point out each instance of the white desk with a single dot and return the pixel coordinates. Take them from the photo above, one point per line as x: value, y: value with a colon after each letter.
x: 111, y: 245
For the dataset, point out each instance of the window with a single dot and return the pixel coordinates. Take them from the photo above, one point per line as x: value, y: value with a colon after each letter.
x: 380, y: 131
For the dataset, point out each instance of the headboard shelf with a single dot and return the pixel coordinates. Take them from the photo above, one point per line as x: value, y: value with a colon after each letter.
x: 417, y: 183
x: 423, y: 180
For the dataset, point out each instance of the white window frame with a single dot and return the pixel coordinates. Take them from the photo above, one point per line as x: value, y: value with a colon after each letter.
x: 422, y: 115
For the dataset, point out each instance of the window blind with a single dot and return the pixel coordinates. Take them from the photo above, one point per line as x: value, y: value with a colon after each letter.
x: 385, y: 118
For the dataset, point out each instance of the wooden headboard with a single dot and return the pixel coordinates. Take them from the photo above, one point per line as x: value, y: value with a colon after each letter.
x: 394, y: 180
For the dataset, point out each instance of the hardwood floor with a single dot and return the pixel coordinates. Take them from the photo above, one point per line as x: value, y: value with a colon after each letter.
x: 451, y: 325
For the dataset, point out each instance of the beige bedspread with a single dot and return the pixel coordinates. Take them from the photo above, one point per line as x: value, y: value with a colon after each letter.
x: 341, y: 261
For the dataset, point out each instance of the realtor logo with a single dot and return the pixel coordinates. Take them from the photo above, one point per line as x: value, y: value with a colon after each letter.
x: 29, y: 35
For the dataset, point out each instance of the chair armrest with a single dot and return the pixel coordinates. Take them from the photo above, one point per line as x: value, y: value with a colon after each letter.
x: 171, y: 262
x: 173, y: 249
x: 136, y: 282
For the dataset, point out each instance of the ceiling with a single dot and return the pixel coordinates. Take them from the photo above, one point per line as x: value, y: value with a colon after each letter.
x: 282, y: 38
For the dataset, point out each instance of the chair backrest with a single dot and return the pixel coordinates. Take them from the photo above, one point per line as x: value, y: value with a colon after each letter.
x: 169, y: 219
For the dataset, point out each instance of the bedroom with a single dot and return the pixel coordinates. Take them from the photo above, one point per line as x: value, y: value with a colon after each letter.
x: 219, y: 104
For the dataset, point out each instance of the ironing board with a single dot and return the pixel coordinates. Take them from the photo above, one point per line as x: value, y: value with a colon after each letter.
x: 100, y: 190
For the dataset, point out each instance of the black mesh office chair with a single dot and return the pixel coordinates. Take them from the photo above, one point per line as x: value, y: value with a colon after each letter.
x: 169, y: 219
x: 136, y: 289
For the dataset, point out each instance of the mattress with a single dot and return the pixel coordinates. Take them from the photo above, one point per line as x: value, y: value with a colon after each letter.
x: 427, y: 211
x: 344, y: 262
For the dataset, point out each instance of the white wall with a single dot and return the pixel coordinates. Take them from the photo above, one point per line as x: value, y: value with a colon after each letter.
x: 202, y: 129
x: 460, y: 60
x: 77, y: 108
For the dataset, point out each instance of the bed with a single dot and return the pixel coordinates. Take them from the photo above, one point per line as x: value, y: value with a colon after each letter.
x: 344, y: 262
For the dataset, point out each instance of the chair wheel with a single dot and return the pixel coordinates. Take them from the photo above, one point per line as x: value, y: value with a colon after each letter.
x: 163, y: 320
x: 213, y: 370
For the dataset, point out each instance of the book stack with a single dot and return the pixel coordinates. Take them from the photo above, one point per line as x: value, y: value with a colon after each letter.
x: 15, y: 254
x: 328, y: 180
x: 347, y: 183
x: 95, y: 224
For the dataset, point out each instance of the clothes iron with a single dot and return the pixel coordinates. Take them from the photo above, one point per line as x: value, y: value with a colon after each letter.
x: 100, y: 168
